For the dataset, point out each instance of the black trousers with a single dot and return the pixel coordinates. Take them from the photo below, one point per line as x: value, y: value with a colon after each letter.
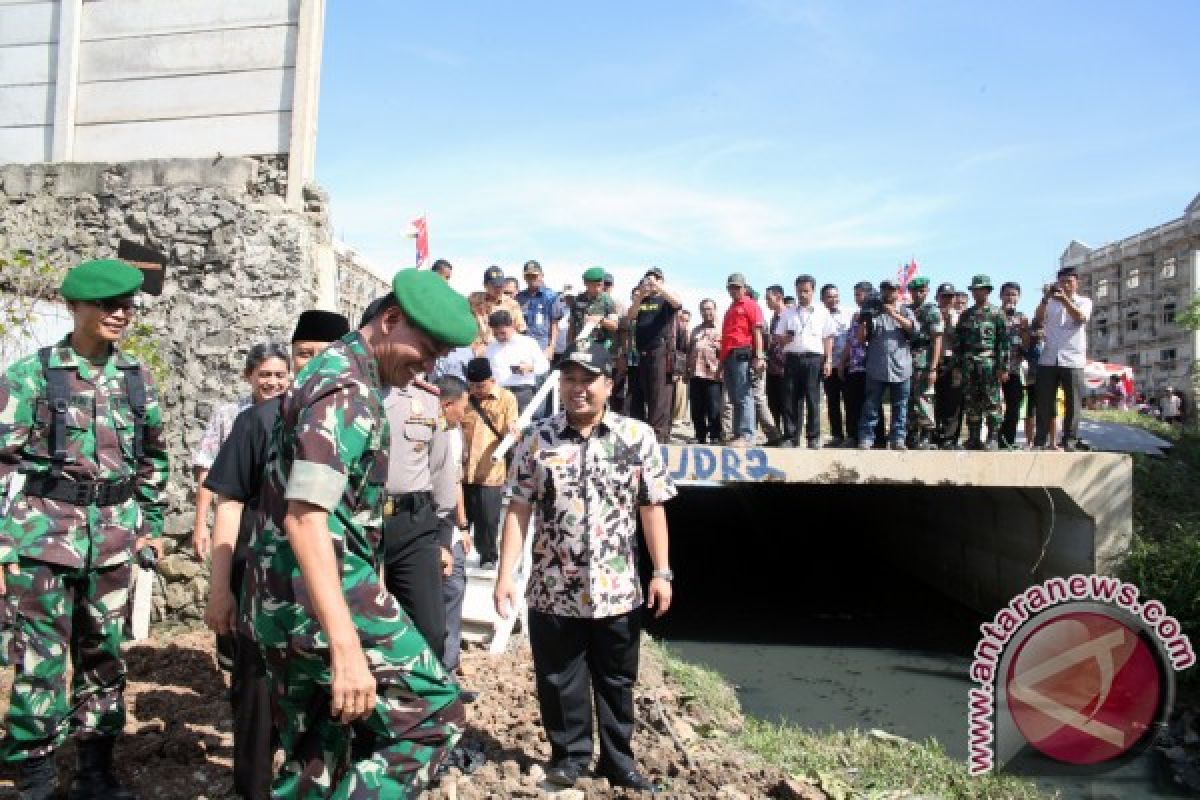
x: 775, y: 393
x: 576, y: 661
x: 947, y: 407
x: 412, y: 570
x: 704, y: 401
x: 834, y: 392
x: 802, y: 396
x: 482, y: 504
x: 1048, y: 381
x: 254, y: 736
x: 1014, y: 395
x: 652, y: 392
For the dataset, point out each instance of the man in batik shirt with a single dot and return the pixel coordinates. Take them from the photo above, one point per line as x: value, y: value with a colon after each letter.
x: 590, y: 473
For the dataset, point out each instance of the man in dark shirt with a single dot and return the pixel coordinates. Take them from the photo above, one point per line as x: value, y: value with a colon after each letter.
x: 236, y: 477
x: 652, y: 313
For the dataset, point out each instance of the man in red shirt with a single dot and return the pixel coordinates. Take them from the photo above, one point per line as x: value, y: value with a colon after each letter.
x: 741, y: 352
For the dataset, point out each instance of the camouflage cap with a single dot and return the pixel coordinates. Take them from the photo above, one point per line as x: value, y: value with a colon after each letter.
x: 919, y: 283
x: 101, y: 279
x: 431, y: 305
x: 981, y: 282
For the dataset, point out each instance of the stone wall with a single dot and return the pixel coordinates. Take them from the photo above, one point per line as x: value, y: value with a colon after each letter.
x: 242, y: 266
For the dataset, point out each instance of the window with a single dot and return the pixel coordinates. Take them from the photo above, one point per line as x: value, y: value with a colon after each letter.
x: 1168, y: 268
x: 1166, y: 355
x: 1168, y: 315
x: 1131, y: 320
x: 1132, y: 281
x: 1133, y: 359
x: 1102, y: 288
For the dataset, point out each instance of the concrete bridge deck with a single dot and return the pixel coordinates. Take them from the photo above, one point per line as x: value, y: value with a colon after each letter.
x: 979, y: 526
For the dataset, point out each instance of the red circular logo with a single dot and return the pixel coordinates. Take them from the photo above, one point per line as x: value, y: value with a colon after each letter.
x: 1083, y: 688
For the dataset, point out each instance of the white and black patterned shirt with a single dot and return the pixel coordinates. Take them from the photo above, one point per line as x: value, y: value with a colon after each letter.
x: 586, y: 494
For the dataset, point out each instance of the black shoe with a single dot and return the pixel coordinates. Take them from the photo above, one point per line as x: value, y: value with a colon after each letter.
x: 630, y: 780
x: 1075, y: 446
x: 468, y: 696
x: 787, y: 443
x: 814, y: 444
x: 95, y: 779
x: 564, y: 773
x: 37, y: 779
x: 837, y: 441
x: 898, y: 445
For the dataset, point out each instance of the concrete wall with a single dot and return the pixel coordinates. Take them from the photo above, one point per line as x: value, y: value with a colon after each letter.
x: 120, y: 80
x: 980, y: 527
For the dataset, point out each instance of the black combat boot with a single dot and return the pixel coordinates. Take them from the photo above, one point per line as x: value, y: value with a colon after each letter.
x: 993, y: 442
x: 95, y: 779
x: 925, y: 440
x: 37, y: 778
x: 973, y: 440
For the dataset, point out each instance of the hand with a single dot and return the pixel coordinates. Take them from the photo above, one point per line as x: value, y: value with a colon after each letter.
x: 593, y: 319
x: 504, y: 596
x: 1003, y: 376
x: 478, y: 348
x: 353, y: 688
x: 827, y: 369
x: 659, y: 600
x: 447, y: 562
x: 9, y: 569
x: 201, y: 541
x: 467, y: 545
x: 956, y: 377
x: 512, y: 429
x: 757, y: 364
x: 220, y: 612
x: 549, y: 352
x: 931, y: 379
x: 154, y: 544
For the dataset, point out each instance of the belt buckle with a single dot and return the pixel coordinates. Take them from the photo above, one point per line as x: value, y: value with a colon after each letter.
x: 84, y: 493
x: 389, y: 507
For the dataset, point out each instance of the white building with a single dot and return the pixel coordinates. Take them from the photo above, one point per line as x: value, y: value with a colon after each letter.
x: 1138, y: 285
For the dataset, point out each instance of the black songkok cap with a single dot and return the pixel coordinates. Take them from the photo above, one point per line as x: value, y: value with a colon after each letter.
x: 478, y: 369
x: 320, y: 326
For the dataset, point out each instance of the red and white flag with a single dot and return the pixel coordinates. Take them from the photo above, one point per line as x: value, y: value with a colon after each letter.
x: 421, y: 233
x: 905, y: 274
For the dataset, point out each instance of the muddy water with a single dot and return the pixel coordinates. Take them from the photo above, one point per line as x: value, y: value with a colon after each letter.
x: 815, y: 631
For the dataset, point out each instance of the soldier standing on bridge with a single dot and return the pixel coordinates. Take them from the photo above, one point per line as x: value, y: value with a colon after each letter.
x: 948, y: 396
x: 82, y: 421
x: 926, y: 347
x: 365, y: 707
x: 981, y: 356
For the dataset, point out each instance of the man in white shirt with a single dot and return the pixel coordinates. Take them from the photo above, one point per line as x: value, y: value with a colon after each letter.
x: 1065, y: 315
x: 518, y: 361
x: 808, y: 331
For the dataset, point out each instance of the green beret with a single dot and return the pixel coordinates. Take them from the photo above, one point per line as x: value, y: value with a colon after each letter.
x: 594, y: 274
x: 100, y: 280
x: 430, y: 304
x: 919, y: 283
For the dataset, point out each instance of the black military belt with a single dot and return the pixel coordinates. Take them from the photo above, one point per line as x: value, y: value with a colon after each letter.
x: 79, y: 493
x: 409, y: 502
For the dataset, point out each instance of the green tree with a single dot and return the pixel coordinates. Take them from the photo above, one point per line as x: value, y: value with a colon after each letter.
x: 28, y: 283
x: 1190, y: 317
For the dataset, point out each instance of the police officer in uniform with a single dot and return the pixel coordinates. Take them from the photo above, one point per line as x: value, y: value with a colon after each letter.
x: 82, y: 420
x: 947, y: 403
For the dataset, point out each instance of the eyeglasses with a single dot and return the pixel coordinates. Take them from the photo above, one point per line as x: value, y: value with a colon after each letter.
x: 113, y: 304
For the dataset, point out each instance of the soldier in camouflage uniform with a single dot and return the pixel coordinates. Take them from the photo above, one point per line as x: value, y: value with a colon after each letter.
x: 926, y: 347
x: 95, y: 467
x: 365, y: 710
x: 981, y: 356
x: 947, y: 395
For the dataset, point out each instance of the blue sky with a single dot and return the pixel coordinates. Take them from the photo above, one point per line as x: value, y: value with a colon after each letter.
x: 766, y: 137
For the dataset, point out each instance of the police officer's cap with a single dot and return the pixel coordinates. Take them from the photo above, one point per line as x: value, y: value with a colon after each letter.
x: 435, y: 308
x: 919, y: 283
x: 945, y: 288
x: 315, y: 325
x: 101, y: 279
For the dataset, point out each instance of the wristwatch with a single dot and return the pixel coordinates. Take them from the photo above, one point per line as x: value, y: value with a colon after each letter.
x: 666, y: 574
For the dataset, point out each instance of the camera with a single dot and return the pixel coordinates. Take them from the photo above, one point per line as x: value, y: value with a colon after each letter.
x: 872, y: 307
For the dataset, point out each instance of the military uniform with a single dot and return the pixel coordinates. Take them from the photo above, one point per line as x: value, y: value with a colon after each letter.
x: 95, y: 472
x: 922, y: 419
x: 330, y: 450
x: 981, y: 353
x: 947, y: 397
x: 1014, y: 387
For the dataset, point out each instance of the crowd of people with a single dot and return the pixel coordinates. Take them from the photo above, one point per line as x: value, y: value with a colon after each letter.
x: 902, y: 367
x: 364, y: 465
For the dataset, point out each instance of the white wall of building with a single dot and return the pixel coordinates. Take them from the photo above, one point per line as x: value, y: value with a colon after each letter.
x: 121, y: 80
